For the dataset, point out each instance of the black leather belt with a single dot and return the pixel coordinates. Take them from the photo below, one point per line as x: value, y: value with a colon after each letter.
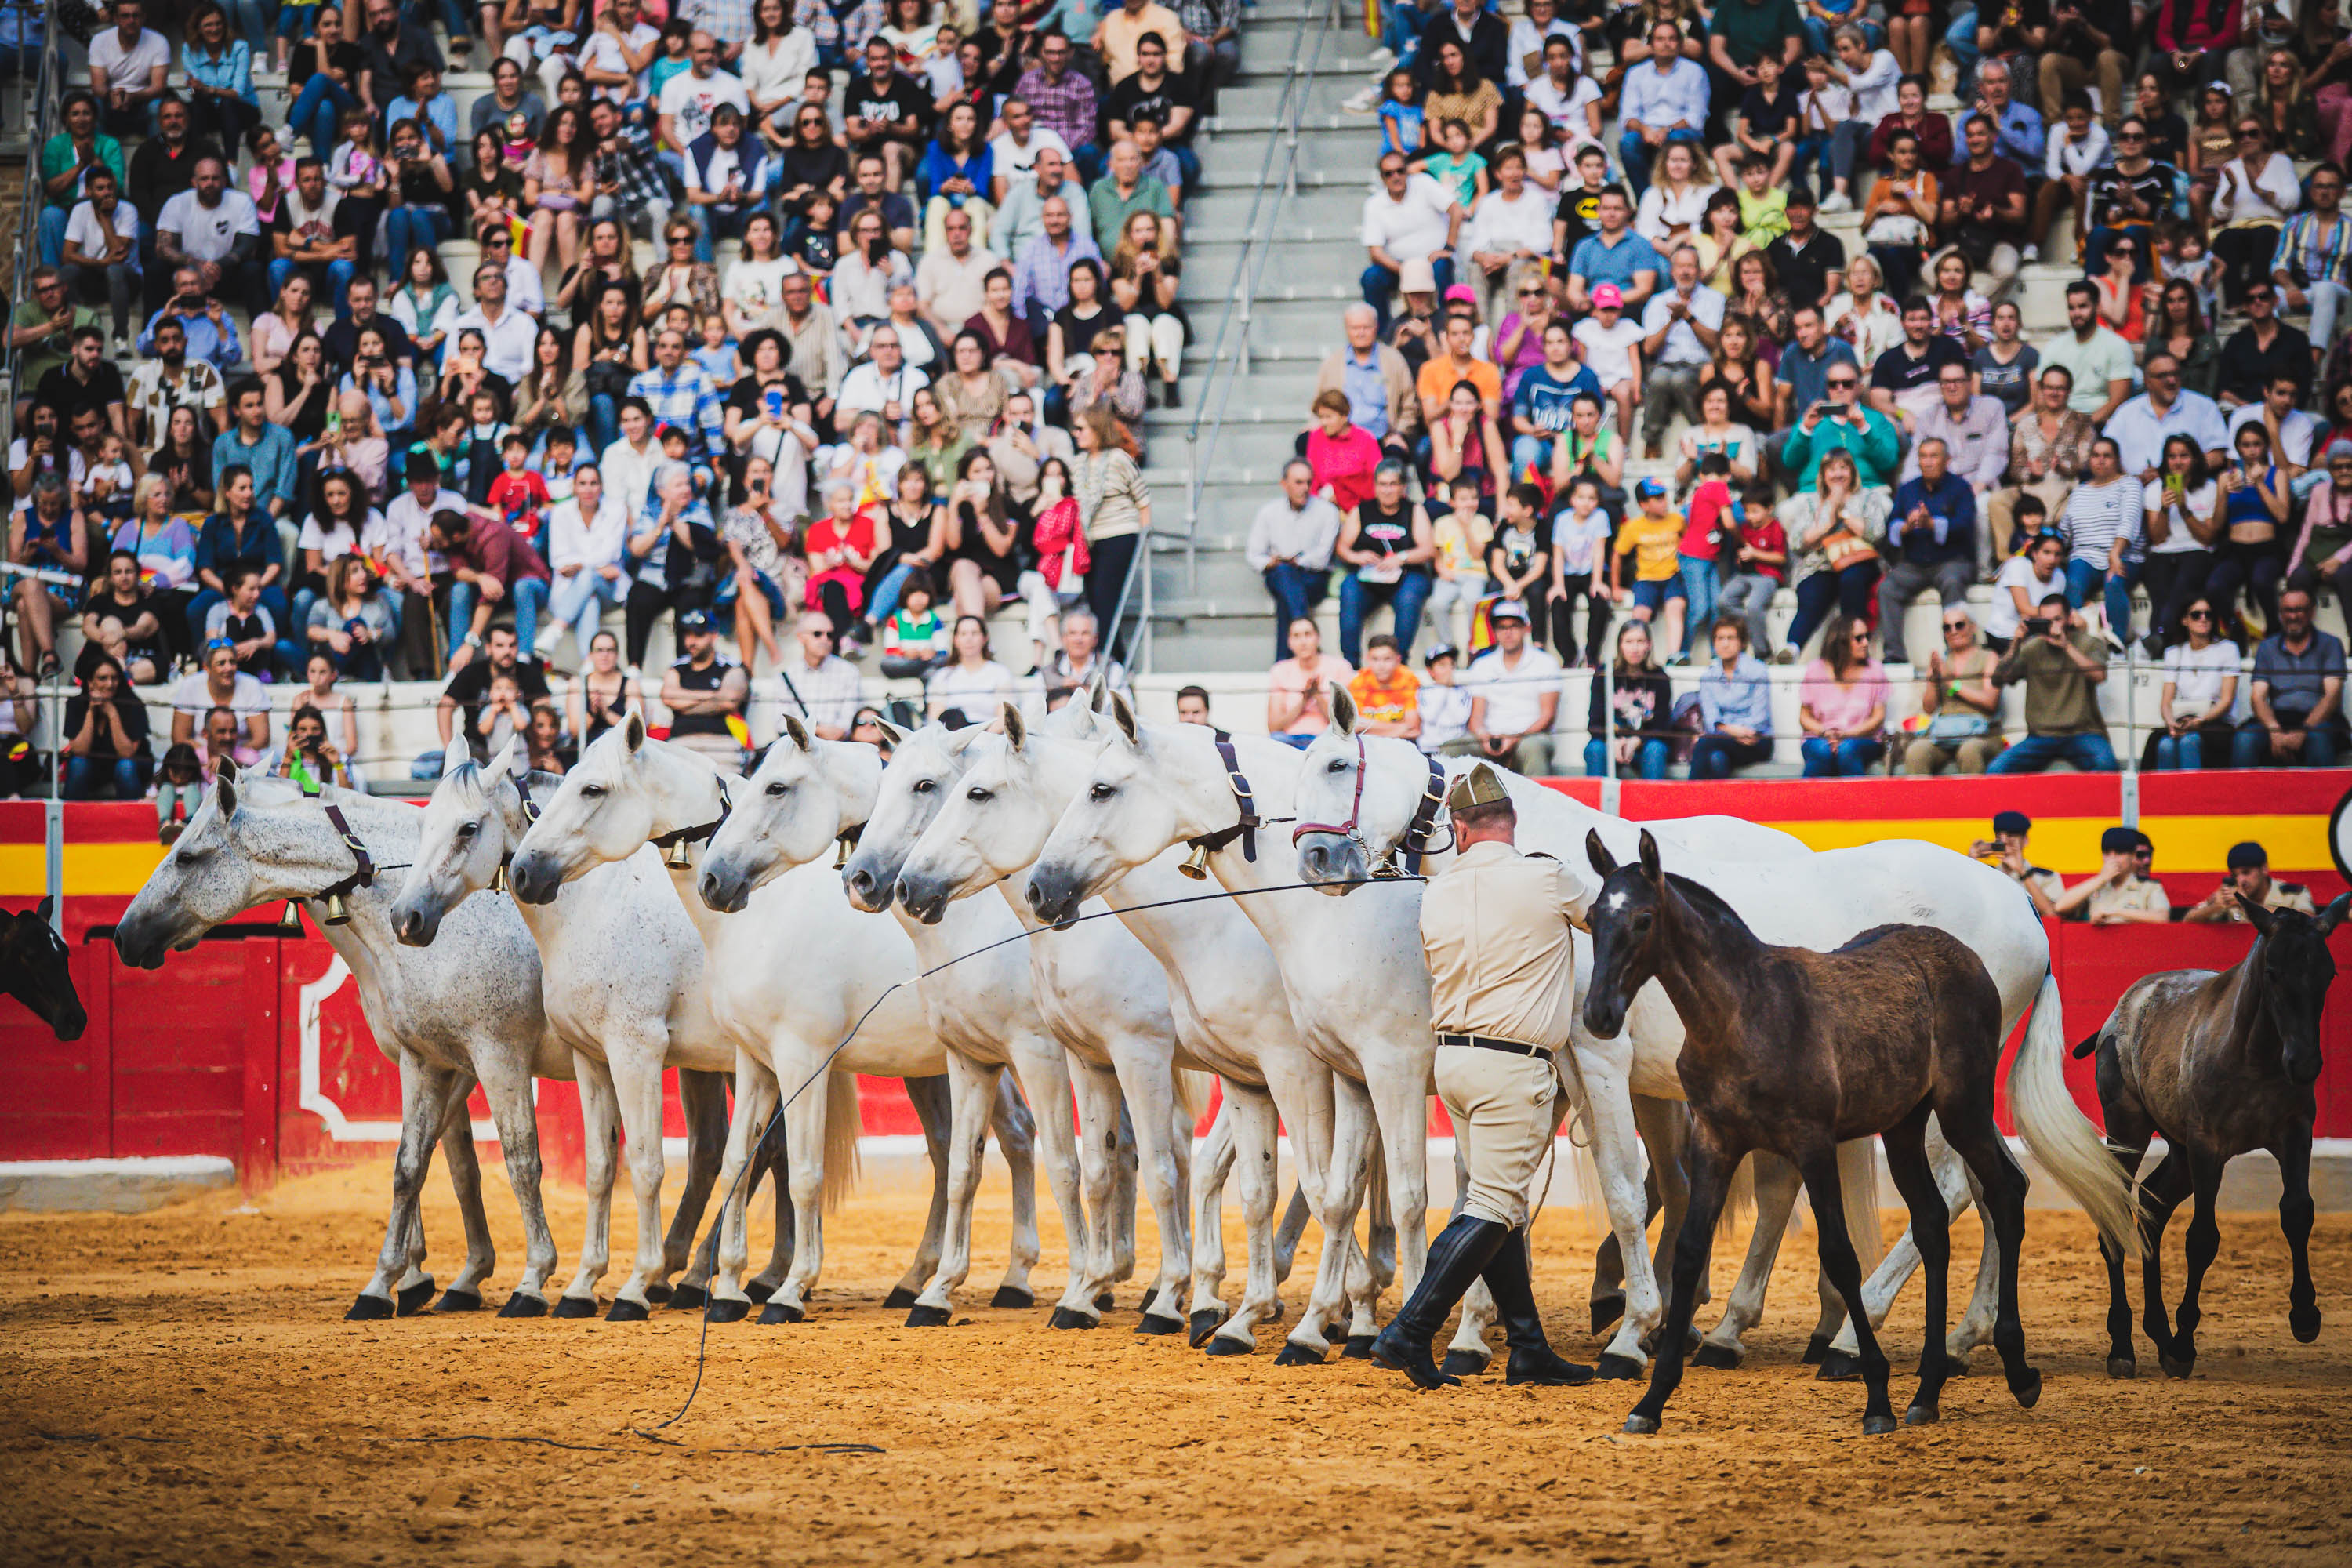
x: 1489, y: 1043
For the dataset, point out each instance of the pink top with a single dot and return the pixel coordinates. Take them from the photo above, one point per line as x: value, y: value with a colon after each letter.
x: 1289, y: 678
x: 1844, y: 708
x: 257, y: 180
x: 2325, y: 508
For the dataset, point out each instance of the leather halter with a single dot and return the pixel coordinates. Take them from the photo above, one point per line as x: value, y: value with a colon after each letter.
x: 1414, y: 842
x: 702, y: 833
x: 530, y: 817
x: 1246, y: 828
x: 363, y: 868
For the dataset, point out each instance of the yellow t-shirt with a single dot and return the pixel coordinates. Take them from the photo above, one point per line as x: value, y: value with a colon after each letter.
x: 1463, y: 551
x: 1654, y: 542
x: 1390, y: 703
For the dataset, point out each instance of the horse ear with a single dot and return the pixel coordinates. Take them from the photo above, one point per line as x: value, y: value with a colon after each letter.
x: 510, y: 760
x: 225, y: 789
x: 1016, y: 728
x: 2329, y: 918
x: 1343, y: 710
x: 47, y: 903
x: 1099, y: 700
x: 2258, y: 914
x: 893, y: 737
x: 1598, y: 853
x: 633, y: 733
x: 455, y: 756
x: 797, y: 731
x: 1122, y: 713
x: 1650, y: 866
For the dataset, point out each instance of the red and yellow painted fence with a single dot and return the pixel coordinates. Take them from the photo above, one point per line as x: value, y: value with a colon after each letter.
x: 253, y: 1045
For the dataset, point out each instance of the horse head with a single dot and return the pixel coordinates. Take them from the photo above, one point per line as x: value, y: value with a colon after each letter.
x: 2296, y: 969
x: 253, y: 840
x: 36, y: 969
x: 469, y: 826
x: 924, y: 767
x: 993, y: 822
x: 806, y: 793
x: 1626, y: 926
x: 1361, y: 803
x: 626, y: 790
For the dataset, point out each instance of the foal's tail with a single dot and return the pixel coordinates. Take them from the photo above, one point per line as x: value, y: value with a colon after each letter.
x: 2062, y: 1138
x: 842, y: 1125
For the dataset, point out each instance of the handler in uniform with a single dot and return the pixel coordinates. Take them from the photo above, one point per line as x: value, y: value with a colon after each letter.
x: 1495, y: 927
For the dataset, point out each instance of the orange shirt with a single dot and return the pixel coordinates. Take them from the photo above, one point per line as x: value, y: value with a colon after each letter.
x: 1438, y: 377
x: 1390, y: 703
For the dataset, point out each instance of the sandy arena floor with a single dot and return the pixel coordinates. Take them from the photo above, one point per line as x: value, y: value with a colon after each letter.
x: 180, y: 1388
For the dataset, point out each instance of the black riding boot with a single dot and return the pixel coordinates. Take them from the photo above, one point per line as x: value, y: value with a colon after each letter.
x: 1532, y: 1360
x: 1459, y: 1256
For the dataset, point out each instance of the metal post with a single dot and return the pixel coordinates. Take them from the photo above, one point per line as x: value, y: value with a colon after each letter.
x: 1609, y: 781
x: 53, y: 811
x: 2129, y: 806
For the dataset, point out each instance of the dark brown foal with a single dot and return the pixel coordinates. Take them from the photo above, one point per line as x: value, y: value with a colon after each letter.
x: 2220, y: 1064
x: 1791, y: 1051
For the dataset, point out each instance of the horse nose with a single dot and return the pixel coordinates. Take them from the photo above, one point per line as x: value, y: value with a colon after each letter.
x: 861, y: 884
x: 408, y: 925
x: 1319, y: 862
x: 1037, y: 899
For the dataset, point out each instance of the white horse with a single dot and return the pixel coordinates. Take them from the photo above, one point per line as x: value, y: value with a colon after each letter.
x: 1817, y: 900
x: 465, y: 1012
x: 809, y: 795
x: 1225, y: 993
x: 789, y: 980
x: 1105, y: 998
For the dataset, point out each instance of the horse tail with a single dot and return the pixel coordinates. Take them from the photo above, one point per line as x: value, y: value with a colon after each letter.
x: 1194, y: 1090
x: 1738, y: 1195
x: 1858, y: 1187
x: 2090, y: 1044
x: 2061, y: 1137
x: 843, y: 1123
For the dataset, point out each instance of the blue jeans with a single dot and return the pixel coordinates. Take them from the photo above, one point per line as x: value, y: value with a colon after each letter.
x: 2252, y: 749
x: 528, y: 597
x: 53, y: 235
x: 1699, y: 584
x: 316, y: 110
x: 1633, y: 152
x: 1379, y: 284
x: 453, y: 14
x: 1714, y: 756
x: 83, y: 775
x: 255, y: 20
x: 604, y: 422
x: 1847, y: 759
x: 1961, y: 36
x: 580, y: 602
x: 407, y: 229
x: 884, y: 602
x: 1297, y: 591
x: 1812, y: 152
x: 338, y: 276
x: 2090, y: 755
x: 711, y: 225
x: 1531, y: 452
x: 2082, y: 576
x: 1649, y: 758
x: 1406, y: 597
x: 1400, y: 30
x: 2185, y: 753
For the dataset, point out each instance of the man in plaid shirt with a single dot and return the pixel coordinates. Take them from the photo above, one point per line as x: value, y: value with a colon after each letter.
x: 678, y: 393
x: 630, y: 181
x: 1214, y: 55
x: 1062, y: 100
x: 841, y: 29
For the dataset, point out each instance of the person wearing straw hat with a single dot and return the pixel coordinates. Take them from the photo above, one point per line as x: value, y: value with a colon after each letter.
x: 1495, y: 927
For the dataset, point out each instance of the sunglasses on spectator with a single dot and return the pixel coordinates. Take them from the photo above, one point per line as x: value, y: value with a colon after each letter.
x: 1960, y: 626
x: 827, y: 636
x: 1861, y: 638
x: 2196, y: 615
x: 1835, y: 382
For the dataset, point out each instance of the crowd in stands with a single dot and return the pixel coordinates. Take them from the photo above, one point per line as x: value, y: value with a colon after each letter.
x: 1588, y: 218
x: 915, y: 285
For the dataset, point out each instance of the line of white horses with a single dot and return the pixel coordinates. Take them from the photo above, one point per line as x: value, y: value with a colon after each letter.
x: 645, y: 913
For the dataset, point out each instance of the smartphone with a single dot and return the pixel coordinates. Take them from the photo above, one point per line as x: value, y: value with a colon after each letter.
x: 2034, y: 626
x: 1825, y: 410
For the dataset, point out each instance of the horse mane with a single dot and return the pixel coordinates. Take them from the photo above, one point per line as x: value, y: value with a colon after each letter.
x: 1710, y: 906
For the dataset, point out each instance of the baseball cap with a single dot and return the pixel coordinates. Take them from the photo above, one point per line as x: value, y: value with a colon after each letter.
x: 1463, y: 291
x: 1508, y: 610
x: 1443, y: 651
x: 2011, y: 822
x: 1417, y: 276
x: 1649, y: 487
x: 693, y: 621
x: 1608, y: 296
x: 2248, y: 856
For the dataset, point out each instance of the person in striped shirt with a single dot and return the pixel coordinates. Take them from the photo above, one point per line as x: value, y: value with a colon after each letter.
x: 2101, y: 517
x: 2313, y: 263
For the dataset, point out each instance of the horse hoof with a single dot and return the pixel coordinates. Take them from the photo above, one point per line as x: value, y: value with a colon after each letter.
x: 1226, y: 1344
x: 1457, y: 1363
x: 1071, y: 1318
x: 1359, y: 1348
x: 410, y: 1302
x: 521, y: 1306
x: 1624, y: 1368
x: 1607, y: 1310
x: 1877, y: 1426
x: 758, y: 1289
x: 899, y: 1300
x: 686, y: 1297
x: 1838, y: 1366
x: 1153, y: 1323
x: 1206, y: 1323
x: 1920, y: 1415
x: 2027, y: 1389
x: 1013, y: 1297
x: 1722, y: 1358
x: 2304, y: 1322
x: 458, y: 1301
x: 2121, y: 1367
x: 1816, y: 1349
x: 1106, y: 1301
x: 1638, y: 1425
x: 1296, y: 1354
x: 576, y: 1307
x: 2174, y: 1367
x: 781, y: 1312
x: 922, y: 1316
x: 626, y: 1311
x: 726, y: 1310
x: 659, y: 1294
x: 369, y: 1310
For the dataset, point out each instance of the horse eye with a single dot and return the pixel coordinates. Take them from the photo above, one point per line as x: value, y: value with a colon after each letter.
x: 1101, y: 792
x: 977, y: 796
x: 591, y: 791
x: 468, y: 829
x: 1336, y: 766
x: 777, y: 791
x: 922, y: 786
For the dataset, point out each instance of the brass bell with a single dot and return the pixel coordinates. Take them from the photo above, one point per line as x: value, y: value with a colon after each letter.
x: 1196, y: 864
x: 1386, y: 869
x: 289, y: 923
x: 840, y: 854
x: 337, y: 912
x: 681, y: 858
x: 498, y: 878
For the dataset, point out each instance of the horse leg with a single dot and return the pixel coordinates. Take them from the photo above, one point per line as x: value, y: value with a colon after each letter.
x: 1093, y: 1256
x: 702, y: 1096
x: 2293, y: 1154
x: 1380, y: 1222
x: 1255, y: 1135
x: 1931, y: 1228
x: 1858, y: 1178
x: 1971, y: 1131
x: 1292, y: 1229
x: 2204, y: 1244
x: 1666, y: 1128
x: 1710, y: 1166
x: 1211, y: 1168
x: 804, y: 1146
x: 635, y: 1057
x: 972, y: 1087
x: 1401, y: 1108
x: 2129, y: 1130
x: 2160, y: 1192
x: 599, y: 1119
x: 930, y: 1099
x: 1822, y: 1181
x: 506, y: 1083
x: 1016, y: 1139
x: 423, y: 1097
x: 755, y: 1102
x: 1044, y: 1069
x: 1617, y: 1155
x: 1303, y: 1099
x: 1341, y: 1276
x: 464, y: 1292
x: 764, y: 1154
x: 1148, y: 1081
x: 1123, y: 1193
x: 768, y: 1161
x: 1608, y: 1298
x: 1776, y: 1183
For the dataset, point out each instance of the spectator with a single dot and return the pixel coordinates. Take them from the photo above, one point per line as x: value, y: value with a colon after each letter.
x: 47, y: 531
x: 1412, y: 218
x: 951, y: 281
x: 1631, y: 714
x: 2141, y: 424
x: 671, y: 548
x: 2200, y: 688
x: 216, y: 230
x: 464, y: 700
x: 2117, y: 894
x: 1518, y: 560
x: 970, y: 682
x: 1122, y: 192
x: 127, y: 67
x: 2098, y: 363
x: 2255, y: 504
x: 820, y: 689
x: 100, y: 250
x: 1840, y: 423
x: 2005, y: 366
x: 1192, y: 705
x: 206, y: 334
x: 1834, y: 535
x: 264, y: 648
x: 1809, y: 260
x: 1343, y: 456
x: 2180, y: 521
x: 1514, y: 696
x: 1983, y: 201
x: 1116, y: 504
x: 1382, y: 399
x: 1842, y: 705
x: 1041, y: 280
x: 1543, y: 404
x: 1299, y: 692
x: 1509, y: 233
x: 508, y: 334
x: 587, y: 540
x: 2312, y: 267
x: 352, y: 625
x: 1933, y: 523
x: 1613, y: 353
x: 219, y: 687
x: 2325, y: 544
x: 1386, y: 692
x: 1061, y: 100
x: 492, y: 565
x: 1759, y: 566
x: 1673, y: 212
x: 1144, y: 276
x: 1290, y: 545
x: 2249, y: 875
x: 122, y: 621
x: 2293, y: 432
x: 705, y: 693
x: 1079, y: 662
x: 1443, y: 706
x: 183, y: 460
x: 1613, y: 256
x: 2049, y: 446
x: 105, y: 732
x: 1386, y: 539
x: 1664, y: 100
x: 87, y: 379
x: 2059, y: 663
x: 1735, y: 706
x: 2298, y: 694
x: 1680, y: 325
x: 1959, y: 701
x: 1461, y: 534
x: 1864, y: 315
x: 2258, y: 193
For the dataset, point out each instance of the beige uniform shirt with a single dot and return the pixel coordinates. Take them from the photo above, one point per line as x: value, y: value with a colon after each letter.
x: 2281, y: 896
x: 2041, y: 877
x: 2132, y: 895
x: 1495, y: 927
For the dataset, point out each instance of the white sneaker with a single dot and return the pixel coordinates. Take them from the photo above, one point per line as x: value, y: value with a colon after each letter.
x: 1836, y: 202
x: 1382, y: 59
x: 1364, y: 102
x: 2029, y: 255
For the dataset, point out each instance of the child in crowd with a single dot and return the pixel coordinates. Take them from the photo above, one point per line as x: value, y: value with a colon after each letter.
x: 1461, y: 534
x: 1653, y: 536
x: 484, y: 442
x: 1444, y: 706
x: 1386, y: 691
x: 1159, y: 161
x: 503, y: 715
x: 674, y: 446
x: 915, y: 638
x: 715, y: 352
x: 1761, y: 565
x: 556, y: 461
x: 518, y: 494
x: 179, y: 791
x: 1580, y: 535
x: 1462, y: 172
x: 1709, y: 525
x: 1402, y: 128
x: 1613, y: 351
x: 1824, y: 107
x: 1763, y: 206
x: 243, y: 620
x: 107, y: 483
x: 1518, y: 560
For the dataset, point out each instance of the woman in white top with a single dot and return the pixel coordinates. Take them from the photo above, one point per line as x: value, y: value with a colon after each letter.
x: 2200, y: 686
x: 775, y: 65
x: 1866, y: 317
x: 2102, y: 516
x: 754, y: 293
x: 2024, y: 580
x: 424, y: 305
x: 1715, y: 432
x: 970, y: 680
x: 2258, y: 193
x: 1676, y: 201
x: 585, y: 538
x: 862, y: 279
x: 2183, y: 519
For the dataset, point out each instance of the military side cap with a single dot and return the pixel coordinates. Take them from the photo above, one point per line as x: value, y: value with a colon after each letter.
x: 1478, y: 787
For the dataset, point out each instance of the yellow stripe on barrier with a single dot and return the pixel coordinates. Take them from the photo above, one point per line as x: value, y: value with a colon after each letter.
x: 92, y: 869
x: 2071, y: 844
